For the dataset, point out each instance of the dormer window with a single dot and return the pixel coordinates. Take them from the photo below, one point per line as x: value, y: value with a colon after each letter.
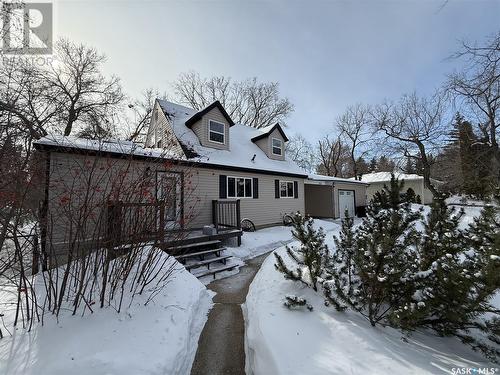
x: 216, y: 132
x: 277, y: 146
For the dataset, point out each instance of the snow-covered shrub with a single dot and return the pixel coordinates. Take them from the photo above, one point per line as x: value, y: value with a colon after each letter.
x: 292, y: 301
x: 438, y: 279
x: 308, y: 256
x: 339, y: 266
x: 383, y: 258
x: 458, y: 273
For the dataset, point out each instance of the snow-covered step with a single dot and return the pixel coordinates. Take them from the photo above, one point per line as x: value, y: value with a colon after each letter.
x: 215, y: 271
x: 195, y: 245
x: 208, y: 262
x: 184, y: 257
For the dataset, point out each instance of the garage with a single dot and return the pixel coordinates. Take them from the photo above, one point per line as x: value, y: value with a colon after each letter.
x: 329, y: 197
x: 346, y: 203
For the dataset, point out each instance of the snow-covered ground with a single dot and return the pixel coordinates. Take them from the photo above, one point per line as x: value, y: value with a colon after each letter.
x: 267, y: 239
x: 160, y: 338
x: 324, y: 341
x: 259, y: 242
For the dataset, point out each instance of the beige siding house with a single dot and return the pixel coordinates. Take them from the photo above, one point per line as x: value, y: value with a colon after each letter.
x: 197, y: 165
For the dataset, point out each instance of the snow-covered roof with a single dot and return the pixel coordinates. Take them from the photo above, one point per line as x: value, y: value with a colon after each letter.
x: 109, y: 145
x: 320, y: 177
x: 386, y: 177
x: 241, y: 151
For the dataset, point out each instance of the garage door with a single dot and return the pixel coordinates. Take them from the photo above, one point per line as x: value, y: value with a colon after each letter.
x: 346, y: 202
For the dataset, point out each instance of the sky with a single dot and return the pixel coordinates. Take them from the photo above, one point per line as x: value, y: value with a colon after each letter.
x: 326, y: 55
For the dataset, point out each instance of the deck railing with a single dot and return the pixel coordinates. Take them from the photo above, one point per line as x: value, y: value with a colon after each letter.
x: 226, y: 214
x: 135, y: 222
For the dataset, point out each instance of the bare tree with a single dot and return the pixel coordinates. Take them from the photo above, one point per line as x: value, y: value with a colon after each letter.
x: 247, y: 102
x: 478, y: 86
x: 138, y: 115
x: 70, y: 91
x: 330, y: 152
x: 353, y: 126
x: 415, y: 128
x: 302, y: 152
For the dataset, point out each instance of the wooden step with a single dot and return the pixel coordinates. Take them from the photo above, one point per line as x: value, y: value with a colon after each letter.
x: 216, y: 271
x: 200, y: 253
x: 194, y: 245
x: 207, y: 262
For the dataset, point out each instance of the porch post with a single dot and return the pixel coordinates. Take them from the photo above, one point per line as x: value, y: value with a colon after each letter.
x: 238, y: 214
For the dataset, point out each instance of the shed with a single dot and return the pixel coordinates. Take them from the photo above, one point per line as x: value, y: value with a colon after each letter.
x: 330, y: 197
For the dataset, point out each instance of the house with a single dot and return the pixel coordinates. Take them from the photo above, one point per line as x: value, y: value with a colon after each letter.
x: 197, y: 168
x: 415, y: 182
x: 332, y: 197
x: 230, y: 161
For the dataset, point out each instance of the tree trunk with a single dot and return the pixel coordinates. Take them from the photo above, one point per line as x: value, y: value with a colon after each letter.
x: 426, y: 170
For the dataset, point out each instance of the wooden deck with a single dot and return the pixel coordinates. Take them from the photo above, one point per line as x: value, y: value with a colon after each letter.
x: 197, y: 237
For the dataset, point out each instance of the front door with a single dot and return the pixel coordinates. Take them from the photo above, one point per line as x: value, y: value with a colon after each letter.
x: 168, y: 190
x: 346, y: 202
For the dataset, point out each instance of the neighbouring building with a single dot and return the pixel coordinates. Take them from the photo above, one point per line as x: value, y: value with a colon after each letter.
x: 377, y: 181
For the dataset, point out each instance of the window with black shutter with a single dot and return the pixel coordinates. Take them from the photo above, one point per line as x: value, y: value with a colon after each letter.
x: 255, y: 188
x: 222, y: 187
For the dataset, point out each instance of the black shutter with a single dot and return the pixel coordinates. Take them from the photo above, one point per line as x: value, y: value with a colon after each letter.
x: 222, y: 187
x: 255, y: 184
x: 295, y: 189
x: 276, y: 188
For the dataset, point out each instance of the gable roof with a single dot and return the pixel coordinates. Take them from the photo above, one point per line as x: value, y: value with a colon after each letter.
x: 239, y: 156
x: 268, y: 130
x: 198, y: 115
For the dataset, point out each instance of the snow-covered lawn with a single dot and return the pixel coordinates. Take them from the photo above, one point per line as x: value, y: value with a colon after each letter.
x: 267, y: 239
x: 260, y: 242
x: 324, y: 341
x: 160, y: 338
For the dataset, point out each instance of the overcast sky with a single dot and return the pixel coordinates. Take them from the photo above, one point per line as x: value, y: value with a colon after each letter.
x: 325, y: 55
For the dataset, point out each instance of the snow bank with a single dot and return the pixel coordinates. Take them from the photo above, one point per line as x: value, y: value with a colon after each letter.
x: 159, y: 338
x: 264, y: 240
x: 324, y: 341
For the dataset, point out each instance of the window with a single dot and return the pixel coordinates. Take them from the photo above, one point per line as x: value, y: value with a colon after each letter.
x: 277, y: 146
x: 239, y: 187
x: 286, y: 189
x: 216, y: 131
x: 158, y: 144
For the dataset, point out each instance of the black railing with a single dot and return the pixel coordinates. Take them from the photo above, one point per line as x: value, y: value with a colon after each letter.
x: 135, y: 222
x: 226, y: 214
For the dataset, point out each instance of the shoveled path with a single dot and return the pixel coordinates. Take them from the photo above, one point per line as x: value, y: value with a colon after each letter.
x: 221, y: 347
